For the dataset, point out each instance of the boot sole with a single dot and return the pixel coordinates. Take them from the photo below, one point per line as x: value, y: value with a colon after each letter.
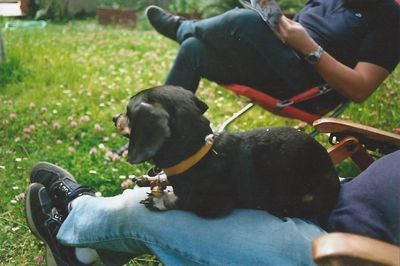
x: 50, y: 261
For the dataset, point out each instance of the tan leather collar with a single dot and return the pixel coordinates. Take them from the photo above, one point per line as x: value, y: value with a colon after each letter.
x: 192, y: 160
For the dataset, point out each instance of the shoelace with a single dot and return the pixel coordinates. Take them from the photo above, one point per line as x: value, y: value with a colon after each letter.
x: 82, y: 190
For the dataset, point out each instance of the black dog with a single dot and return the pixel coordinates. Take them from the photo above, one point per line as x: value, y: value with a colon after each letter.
x: 279, y: 169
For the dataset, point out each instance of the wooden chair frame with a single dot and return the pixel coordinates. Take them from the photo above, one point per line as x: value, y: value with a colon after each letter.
x: 354, y: 140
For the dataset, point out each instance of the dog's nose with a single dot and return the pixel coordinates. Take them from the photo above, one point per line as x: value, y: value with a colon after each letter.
x: 115, y: 118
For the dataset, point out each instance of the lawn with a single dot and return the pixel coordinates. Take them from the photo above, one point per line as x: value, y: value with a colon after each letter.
x: 59, y: 89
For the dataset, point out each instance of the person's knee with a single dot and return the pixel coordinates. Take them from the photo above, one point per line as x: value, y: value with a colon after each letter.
x: 193, y: 50
x: 238, y: 19
x: 192, y: 45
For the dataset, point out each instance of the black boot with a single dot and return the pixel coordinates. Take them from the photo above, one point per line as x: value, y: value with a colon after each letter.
x: 164, y: 22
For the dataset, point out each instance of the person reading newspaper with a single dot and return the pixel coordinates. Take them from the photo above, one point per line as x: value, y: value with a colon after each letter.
x: 352, y: 45
x: 360, y: 41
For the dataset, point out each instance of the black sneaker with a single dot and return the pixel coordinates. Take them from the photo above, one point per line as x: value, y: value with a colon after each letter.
x: 60, y: 184
x: 44, y: 221
x: 164, y: 22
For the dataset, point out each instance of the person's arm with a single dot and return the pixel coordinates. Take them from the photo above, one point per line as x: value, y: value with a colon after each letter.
x: 355, y: 84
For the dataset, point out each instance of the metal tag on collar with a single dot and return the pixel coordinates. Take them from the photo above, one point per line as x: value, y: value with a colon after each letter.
x: 210, y: 139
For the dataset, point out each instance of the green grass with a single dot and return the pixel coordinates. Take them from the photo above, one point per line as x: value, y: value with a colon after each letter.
x: 58, y: 91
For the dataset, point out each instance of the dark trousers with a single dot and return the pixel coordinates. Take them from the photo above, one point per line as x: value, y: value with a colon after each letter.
x: 238, y: 47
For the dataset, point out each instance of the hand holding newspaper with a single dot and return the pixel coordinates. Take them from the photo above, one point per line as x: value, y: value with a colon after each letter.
x: 269, y: 11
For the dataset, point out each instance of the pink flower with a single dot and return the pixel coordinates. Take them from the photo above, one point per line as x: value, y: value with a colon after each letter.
x: 71, y: 149
x: 127, y: 184
x: 56, y: 126
x: 93, y: 150
x: 27, y: 130
x: 21, y: 196
x: 32, y: 127
x: 77, y: 143
x: 5, y: 122
x: 38, y: 260
x: 73, y: 124
x: 70, y: 118
x: 84, y: 119
x: 97, y: 127
x: 109, y: 153
x: 13, y: 116
x: 59, y: 141
x: 112, y: 156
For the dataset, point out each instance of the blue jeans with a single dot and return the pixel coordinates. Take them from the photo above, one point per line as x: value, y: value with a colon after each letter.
x: 120, y: 228
x: 238, y: 47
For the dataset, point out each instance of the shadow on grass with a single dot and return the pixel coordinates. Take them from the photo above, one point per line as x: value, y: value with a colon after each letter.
x: 11, y: 71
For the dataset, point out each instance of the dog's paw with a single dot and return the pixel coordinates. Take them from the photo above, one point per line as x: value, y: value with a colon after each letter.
x: 150, y: 181
x: 165, y: 202
x: 153, y: 203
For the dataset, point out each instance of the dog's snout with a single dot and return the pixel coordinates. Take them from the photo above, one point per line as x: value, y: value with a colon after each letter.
x: 122, y: 124
x: 115, y: 118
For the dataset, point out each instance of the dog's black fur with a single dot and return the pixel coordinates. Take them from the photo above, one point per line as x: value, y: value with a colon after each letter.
x: 278, y: 169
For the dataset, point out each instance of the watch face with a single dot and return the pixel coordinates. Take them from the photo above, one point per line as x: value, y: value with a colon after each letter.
x: 312, y: 59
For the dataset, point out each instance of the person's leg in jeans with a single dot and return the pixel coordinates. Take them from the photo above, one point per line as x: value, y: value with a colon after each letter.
x: 120, y: 228
x: 245, y: 237
x: 196, y: 60
x: 238, y: 47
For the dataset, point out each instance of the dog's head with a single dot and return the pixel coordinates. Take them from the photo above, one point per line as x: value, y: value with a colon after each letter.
x: 160, y: 115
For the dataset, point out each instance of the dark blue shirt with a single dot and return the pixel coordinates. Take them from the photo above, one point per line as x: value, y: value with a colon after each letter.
x: 369, y: 204
x: 351, y: 35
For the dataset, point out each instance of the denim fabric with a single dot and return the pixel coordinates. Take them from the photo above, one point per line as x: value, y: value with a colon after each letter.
x: 241, y: 40
x: 120, y: 228
x: 238, y: 47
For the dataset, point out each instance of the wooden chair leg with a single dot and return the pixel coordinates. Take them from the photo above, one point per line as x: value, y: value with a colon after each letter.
x: 362, y: 158
x: 350, y: 147
x: 343, y: 149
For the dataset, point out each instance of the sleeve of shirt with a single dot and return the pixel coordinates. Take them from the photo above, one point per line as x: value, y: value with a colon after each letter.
x: 381, y: 46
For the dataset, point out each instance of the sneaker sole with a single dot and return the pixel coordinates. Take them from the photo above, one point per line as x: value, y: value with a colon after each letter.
x: 148, y: 8
x: 51, y: 168
x: 50, y: 261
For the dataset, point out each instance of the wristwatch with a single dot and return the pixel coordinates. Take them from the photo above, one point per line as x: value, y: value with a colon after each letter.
x: 314, y: 57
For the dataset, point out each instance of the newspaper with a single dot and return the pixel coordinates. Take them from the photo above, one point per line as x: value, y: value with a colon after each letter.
x: 269, y: 11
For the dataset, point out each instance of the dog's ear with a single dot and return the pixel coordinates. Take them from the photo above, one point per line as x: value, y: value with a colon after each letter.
x: 149, y: 130
x: 203, y: 107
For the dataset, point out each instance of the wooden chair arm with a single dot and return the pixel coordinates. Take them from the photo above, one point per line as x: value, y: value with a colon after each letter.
x: 349, y: 249
x: 371, y: 138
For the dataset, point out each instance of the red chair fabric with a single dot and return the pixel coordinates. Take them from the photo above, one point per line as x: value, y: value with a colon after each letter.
x: 279, y: 107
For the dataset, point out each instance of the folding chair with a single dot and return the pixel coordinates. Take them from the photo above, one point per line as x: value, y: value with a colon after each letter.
x: 355, y: 141
x: 284, y: 108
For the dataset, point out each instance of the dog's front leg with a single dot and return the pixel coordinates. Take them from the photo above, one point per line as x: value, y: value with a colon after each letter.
x: 166, y: 201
